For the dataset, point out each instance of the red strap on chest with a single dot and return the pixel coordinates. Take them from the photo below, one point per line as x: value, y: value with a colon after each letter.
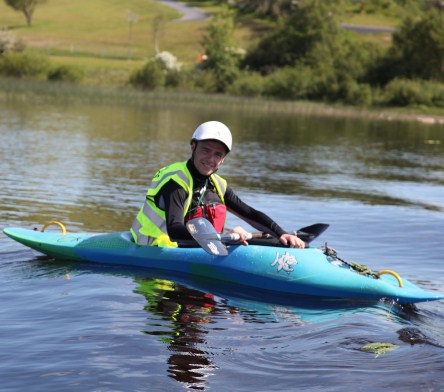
x: 215, y: 213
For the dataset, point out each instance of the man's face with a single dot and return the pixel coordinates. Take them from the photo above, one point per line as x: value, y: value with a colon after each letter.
x: 208, y: 156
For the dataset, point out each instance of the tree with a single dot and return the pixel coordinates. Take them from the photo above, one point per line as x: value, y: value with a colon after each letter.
x: 311, y: 54
x: 419, y: 47
x: 159, y: 23
x: 25, y: 6
x: 223, y: 56
x: 417, y: 52
x: 272, y: 8
x: 312, y: 23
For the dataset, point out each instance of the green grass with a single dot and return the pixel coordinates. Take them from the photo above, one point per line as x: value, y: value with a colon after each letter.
x: 95, y: 34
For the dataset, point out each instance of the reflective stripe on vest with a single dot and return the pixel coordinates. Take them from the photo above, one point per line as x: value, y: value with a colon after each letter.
x: 149, y: 227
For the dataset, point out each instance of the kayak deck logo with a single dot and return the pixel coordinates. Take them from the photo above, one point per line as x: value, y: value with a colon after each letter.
x: 284, y: 262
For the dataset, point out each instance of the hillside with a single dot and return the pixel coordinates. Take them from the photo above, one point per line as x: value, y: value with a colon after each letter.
x: 98, y: 36
x: 110, y: 39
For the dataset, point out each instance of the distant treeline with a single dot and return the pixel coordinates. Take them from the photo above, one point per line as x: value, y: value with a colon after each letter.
x: 307, y: 55
x: 277, y: 9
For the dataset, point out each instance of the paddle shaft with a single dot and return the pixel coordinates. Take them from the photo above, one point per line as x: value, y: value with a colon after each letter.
x: 226, y: 237
x: 212, y: 242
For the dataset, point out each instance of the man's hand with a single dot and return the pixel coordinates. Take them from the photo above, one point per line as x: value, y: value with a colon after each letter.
x: 242, y: 233
x: 292, y: 241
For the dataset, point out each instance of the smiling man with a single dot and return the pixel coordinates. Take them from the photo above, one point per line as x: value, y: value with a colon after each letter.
x: 191, y: 189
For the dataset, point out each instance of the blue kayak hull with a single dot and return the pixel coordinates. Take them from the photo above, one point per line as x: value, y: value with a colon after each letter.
x: 283, y: 271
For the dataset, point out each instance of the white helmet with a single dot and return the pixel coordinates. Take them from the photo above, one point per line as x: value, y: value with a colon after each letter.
x: 213, y: 130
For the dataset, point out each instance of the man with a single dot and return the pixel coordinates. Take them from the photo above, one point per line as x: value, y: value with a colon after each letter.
x: 186, y: 190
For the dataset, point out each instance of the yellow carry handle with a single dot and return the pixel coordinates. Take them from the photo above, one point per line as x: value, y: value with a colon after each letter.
x: 54, y: 223
x: 389, y: 272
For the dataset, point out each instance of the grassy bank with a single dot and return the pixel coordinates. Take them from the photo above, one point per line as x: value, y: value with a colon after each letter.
x: 35, y: 92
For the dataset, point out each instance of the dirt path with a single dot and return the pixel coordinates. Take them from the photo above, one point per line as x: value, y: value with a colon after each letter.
x: 192, y: 14
x: 189, y: 14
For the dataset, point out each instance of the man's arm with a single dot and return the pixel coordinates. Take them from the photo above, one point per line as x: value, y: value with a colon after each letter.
x: 253, y: 217
x: 258, y: 220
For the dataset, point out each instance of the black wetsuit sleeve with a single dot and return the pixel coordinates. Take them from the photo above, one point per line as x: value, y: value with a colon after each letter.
x: 253, y: 217
x: 173, y: 200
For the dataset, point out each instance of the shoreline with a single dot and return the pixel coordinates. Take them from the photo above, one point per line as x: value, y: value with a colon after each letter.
x: 43, y: 91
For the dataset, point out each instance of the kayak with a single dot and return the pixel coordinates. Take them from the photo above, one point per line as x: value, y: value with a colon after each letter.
x: 260, y: 269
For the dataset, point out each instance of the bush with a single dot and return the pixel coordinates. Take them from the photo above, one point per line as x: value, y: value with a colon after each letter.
x: 206, y: 81
x: 24, y: 64
x: 404, y: 92
x: 9, y: 43
x: 248, y: 85
x: 419, y: 46
x: 151, y: 76
x: 357, y: 94
x: 65, y: 73
x: 438, y: 94
x: 290, y: 83
x: 175, y: 79
x: 223, y: 55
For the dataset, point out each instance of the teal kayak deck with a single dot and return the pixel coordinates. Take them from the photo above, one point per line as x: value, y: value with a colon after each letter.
x: 278, y: 270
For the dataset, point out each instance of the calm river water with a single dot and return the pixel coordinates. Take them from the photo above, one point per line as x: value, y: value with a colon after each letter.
x: 81, y: 327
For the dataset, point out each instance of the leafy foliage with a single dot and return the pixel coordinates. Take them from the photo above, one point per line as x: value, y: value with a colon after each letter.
x: 24, y: 65
x: 248, y: 84
x: 27, y: 7
x: 271, y: 8
x: 292, y: 41
x: 311, y: 57
x: 162, y: 70
x: 9, y: 43
x: 419, y: 47
x: 417, y: 52
x: 404, y: 92
x: 151, y: 76
x: 65, y: 73
x: 223, y: 56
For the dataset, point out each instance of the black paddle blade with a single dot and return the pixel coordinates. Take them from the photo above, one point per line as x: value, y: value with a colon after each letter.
x: 206, y: 236
x: 309, y: 233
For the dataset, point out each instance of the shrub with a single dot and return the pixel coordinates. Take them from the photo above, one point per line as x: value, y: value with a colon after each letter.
x: 206, y: 81
x: 357, y: 94
x: 438, y: 94
x: 9, y: 43
x: 162, y: 70
x: 178, y: 79
x: 65, y: 73
x: 151, y: 76
x: 248, y: 85
x: 290, y: 83
x: 24, y: 64
x: 419, y: 46
x: 403, y: 92
x: 223, y: 56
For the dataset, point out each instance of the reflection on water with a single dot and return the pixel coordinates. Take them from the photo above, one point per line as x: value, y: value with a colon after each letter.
x: 182, y: 318
x: 187, y: 310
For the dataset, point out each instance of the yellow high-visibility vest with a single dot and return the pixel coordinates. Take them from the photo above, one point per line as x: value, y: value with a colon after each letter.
x: 149, y: 227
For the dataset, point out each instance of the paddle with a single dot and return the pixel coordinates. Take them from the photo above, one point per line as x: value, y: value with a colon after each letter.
x: 213, y: 243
